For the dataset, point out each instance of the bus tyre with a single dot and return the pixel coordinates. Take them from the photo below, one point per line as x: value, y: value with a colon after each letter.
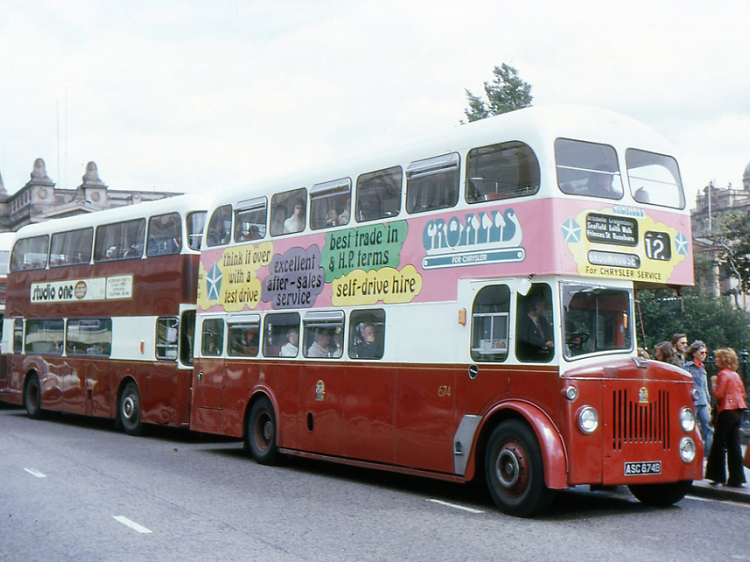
x: 129, y: 410
x: 514, y: 469
x: 261, y: 432
x: 661, y: 495
x: 32, y: 397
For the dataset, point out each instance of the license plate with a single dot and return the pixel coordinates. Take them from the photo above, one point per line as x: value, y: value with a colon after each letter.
x: 637, y: 468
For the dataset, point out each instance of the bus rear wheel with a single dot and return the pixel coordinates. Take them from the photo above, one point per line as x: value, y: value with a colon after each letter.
x: 261, y: 432
x: 661, y: 495
x: 32, y: 397
x: 514, y: 470
x: 130, y: 410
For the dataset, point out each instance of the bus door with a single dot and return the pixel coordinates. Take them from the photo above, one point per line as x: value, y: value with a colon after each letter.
x: 208, y: 387
x: 485, y: 310
x: 322, y: 383
x: 86, y: 383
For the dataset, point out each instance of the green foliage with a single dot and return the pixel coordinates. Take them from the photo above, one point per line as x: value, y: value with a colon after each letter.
x: 702, y: 317
x: 734, y: 237
x: 507, y: 92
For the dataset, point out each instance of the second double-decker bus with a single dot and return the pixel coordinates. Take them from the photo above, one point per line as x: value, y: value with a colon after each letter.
x: 101, y: 312
x: 461, y: 307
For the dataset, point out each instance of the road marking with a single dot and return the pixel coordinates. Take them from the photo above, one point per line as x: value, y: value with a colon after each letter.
x: 35, y: 472
x: 132, y: 524
x: 454, y: 506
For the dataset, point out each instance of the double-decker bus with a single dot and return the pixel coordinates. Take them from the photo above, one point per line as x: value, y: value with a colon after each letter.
x: 460, y: 307
x: 101, y: 313
x: 6, y: 244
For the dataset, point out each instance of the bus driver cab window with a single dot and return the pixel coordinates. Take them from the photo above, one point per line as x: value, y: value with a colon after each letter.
x: 534, y: 333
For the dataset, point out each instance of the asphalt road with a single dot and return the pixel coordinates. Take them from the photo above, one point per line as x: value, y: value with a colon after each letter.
x: 77, y: 489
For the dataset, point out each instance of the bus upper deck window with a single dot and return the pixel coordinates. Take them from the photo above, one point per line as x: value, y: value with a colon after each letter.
x: 71, y: 248
x: 220, y: 226
x: 250, y: 220
x: 195, y: 223
x: 586, y: 168
x: 122, y: 240
x: 288, y: 212
x: 501, y: 171
x: 30, y: 253
x: 432, y: 184
x: 164, y: 235
x: 379, y: 194
x: 329, y: 203
x: 654, y: 179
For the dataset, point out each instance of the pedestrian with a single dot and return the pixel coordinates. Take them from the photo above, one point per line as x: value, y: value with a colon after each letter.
x: 679, y: 342
x: 725, y: 453
x: 695, y: 357
x: 665, y: 353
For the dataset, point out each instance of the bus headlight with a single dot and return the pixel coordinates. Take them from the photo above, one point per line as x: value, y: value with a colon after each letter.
x: 588, y: 420
x: 687, y: 450
x: 687, y: 420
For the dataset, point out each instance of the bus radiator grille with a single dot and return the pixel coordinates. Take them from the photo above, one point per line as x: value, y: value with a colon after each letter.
x: 634, y: 422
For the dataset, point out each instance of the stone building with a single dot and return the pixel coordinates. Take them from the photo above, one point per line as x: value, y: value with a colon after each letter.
x: 40, y: 200
x: 710, y: 205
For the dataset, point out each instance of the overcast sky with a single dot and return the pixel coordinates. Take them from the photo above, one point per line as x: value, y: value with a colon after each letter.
x: 187, y: 95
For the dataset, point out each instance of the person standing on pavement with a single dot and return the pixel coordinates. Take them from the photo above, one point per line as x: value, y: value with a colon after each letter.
x: 728, y: 389
x: 679, y: 342
x: 695, y: 356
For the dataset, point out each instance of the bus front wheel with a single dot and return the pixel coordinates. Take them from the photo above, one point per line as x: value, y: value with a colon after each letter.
x: 261, y: 432
x: 130, y: 410
x: 514, y: 470
x: 32, y: 397
x: 661, y: 495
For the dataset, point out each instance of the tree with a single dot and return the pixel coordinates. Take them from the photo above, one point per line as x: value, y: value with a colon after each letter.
x: 703, y: 317
x: 734, y: 239
x: 507, y: 92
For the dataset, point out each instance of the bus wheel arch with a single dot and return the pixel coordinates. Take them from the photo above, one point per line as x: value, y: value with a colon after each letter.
x: 261, y: 430
x: 129, y: 408
x: 514, y: 469
x: 554, y: 455
x: 32, y: 395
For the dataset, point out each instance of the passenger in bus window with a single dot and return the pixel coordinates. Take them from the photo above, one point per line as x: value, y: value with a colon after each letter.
x: 277, y: 224
x: 534, y: 331
x: 368, y: 347
x: 344, y: 216
x: 321, y: 341
x: 291, y: 347
x: 600, y: 184
x: 337, y: 349
x: 296, y: 222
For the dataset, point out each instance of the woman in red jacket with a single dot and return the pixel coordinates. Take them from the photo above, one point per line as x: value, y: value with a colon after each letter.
x: 729, y: 391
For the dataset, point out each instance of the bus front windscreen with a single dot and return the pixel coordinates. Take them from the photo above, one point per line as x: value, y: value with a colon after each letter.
x: 595, y: 319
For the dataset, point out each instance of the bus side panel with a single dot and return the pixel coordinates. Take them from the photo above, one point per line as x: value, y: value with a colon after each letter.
x: 161, y: 385
x: 100, y: 393
x: 369, y: 412
x: 322, y: 392
x: 208, y: 395
x: 50, y: 370
x: 426, y: 417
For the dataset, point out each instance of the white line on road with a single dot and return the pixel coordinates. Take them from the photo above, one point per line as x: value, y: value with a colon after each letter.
x: 35, y: 472
x: 132, y: 524
x: 454, y: 506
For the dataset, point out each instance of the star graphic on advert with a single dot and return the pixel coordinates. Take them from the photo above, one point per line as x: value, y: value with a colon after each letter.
x: 681, y: 244
x: 571, y: 231
x: 213, y: 281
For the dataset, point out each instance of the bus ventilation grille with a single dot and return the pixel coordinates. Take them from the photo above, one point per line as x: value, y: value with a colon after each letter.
x: 634, y: 422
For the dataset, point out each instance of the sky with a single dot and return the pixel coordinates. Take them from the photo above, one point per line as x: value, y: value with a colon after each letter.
x: 186, y: 96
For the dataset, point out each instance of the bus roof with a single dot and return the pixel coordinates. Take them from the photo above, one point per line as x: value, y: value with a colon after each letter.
x: 180, y: 203
x: 536, y: 126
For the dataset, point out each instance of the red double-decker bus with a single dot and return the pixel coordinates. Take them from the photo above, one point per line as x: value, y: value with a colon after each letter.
x: 460, y: 308
x: 101, y: 312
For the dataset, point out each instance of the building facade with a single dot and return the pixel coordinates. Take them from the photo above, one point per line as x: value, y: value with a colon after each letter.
x: 40, y: 200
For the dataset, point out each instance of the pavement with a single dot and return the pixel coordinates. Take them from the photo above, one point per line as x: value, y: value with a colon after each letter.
x: 703, y: 488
